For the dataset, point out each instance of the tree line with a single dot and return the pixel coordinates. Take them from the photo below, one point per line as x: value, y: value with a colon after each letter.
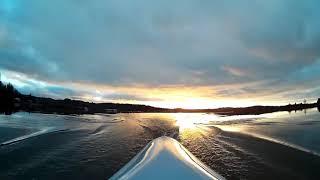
x: 11, y: 101
x: 7, y: 97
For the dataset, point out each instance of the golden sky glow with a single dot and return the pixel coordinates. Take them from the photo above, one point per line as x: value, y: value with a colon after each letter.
x: 174, y: 96
x: 166, y: 96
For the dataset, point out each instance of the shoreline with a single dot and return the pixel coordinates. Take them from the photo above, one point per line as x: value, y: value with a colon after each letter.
x: 13, y: 101
x: 235, y: 111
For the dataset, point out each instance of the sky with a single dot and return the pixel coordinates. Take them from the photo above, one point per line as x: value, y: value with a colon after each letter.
x: 168, y: 53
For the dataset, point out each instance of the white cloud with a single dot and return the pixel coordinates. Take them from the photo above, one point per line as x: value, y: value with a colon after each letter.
x: 172, y: 43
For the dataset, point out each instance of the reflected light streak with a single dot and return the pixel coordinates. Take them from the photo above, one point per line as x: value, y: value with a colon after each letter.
x: 187, y: 121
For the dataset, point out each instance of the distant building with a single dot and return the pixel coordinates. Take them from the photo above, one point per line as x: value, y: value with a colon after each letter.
x: 111, y: 111
x: 17, y: 102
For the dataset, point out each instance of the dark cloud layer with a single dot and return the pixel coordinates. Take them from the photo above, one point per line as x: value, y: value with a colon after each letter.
x: 157, y: 43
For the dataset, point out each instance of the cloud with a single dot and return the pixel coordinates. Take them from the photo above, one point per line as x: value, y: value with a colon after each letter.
x: 162, y: 44
x: 235, y: 71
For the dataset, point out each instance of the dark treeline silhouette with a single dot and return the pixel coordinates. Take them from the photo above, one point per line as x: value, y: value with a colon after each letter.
x: 7, y: 98
x: 11, y: 101
x: 255, y: 110
x: 68, y: 106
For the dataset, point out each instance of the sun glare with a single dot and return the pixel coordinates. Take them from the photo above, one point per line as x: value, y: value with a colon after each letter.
x: 191, y: 120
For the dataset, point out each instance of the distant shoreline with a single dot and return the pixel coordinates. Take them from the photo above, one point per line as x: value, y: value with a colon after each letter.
x: 29, y: 103
x: 12, y: 101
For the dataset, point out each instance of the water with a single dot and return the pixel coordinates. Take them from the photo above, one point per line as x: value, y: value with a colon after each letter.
x: 277, y: 145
